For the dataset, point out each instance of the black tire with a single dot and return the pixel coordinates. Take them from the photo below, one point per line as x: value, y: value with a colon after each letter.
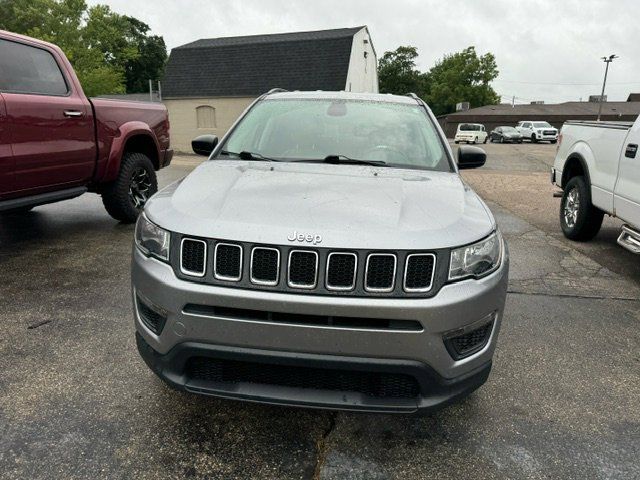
x: 501, y: 139
x: 125, y: 198
x: 485, y: 139
x: 554, y: 141
x: 580, y: 221
x: 456, y: 142
x: 533, y: 138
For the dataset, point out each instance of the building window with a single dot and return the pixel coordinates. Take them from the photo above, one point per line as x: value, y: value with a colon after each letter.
x: 206, y: 116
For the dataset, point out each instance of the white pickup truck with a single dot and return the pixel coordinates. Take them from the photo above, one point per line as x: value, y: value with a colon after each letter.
x: 598, y: 168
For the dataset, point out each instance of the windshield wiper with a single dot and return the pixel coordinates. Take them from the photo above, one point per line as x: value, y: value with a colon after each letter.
x: 335, y: 159
x: 244, y: 155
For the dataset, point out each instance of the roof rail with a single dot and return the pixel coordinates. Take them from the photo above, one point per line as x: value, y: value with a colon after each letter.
x: 413, y: 95
x: 276, y: 90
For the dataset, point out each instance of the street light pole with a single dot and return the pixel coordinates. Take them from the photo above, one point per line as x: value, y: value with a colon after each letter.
x: 606, y: 60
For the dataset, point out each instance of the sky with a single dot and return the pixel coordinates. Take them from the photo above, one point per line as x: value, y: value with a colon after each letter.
x: 545, y: 49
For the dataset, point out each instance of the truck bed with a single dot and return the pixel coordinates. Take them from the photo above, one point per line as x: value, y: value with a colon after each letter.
x: 596, y: 124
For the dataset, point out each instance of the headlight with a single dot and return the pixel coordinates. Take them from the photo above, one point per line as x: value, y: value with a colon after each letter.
x: 476, y: 260
x: 151, y: 239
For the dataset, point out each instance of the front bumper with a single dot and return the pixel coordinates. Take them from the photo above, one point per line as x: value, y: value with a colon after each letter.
x: 172, y: 366
x: 545, y: 137
x: 422, y: 354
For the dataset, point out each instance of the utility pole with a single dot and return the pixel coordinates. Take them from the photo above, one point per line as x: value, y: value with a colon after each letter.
x: 150, y: 90
x: 606, y: 60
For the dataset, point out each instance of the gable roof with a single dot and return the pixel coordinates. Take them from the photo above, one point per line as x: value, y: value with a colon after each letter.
x: 252, y: 65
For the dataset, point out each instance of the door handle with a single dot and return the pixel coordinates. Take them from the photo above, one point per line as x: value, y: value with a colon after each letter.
x: 631, y: 150
x: 73, y: 113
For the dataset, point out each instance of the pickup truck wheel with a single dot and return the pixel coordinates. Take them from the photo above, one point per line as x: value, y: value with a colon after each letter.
x: 533, y: 138
x: 485, y: 139
x: 579, y: 219
x: 125, y: 198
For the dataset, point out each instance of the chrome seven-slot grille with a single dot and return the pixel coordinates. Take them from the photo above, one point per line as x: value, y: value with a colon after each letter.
x: 307, y: 269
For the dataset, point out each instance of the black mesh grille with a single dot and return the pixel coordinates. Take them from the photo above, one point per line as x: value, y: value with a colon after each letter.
x: 419, y: 272
x: 264, y: 267
x: 193, y: 255
x: 153, y: 320
x: 469, y: 343
x: 380, y: 272
x: 302, y: 268
x: 372, y: 384
x: 228, y: 261
x: 341, y: 270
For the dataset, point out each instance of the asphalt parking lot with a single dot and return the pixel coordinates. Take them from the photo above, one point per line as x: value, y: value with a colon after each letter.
x: 563, y: 400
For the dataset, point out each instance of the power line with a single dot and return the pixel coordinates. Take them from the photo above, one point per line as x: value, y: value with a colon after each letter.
x: 564, y: 84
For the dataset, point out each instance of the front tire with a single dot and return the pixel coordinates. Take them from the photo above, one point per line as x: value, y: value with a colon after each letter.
x: 554, y: 141
x: 533, y: 138
x: 125, y: 198
x: 579, y: 219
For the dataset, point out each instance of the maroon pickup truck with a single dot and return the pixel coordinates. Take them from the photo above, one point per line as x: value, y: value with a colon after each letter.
x: 56, y: 144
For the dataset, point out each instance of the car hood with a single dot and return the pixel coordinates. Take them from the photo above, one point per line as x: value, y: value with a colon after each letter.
x: 512, y: 134
x: 347, y: 206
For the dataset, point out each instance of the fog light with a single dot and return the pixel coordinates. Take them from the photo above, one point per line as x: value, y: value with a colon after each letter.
x: 464, y: 342
x: 152, y: 316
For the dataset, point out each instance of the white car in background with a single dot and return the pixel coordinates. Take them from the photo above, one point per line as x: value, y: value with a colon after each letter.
x: 470, y: 133
x: 538, y: 131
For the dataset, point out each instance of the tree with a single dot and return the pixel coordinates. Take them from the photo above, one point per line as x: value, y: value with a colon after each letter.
x: 462, y: 77
x: 397, y: 72
x: 109, y: 52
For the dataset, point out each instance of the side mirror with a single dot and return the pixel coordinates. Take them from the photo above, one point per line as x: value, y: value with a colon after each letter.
x: 471, y: 157
x: 204, y: 144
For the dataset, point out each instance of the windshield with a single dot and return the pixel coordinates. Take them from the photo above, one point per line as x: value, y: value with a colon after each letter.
x: 466, y: 127
x: 541, y: 125
x: 398, y: 135
x: 509, y: 130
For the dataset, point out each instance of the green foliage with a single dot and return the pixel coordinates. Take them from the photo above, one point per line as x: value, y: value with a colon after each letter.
x: 397, y: 72
x: 460, y: 77
x: 110, y: 53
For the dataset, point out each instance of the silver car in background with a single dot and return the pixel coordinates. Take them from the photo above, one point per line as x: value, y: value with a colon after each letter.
x: 328, y: 255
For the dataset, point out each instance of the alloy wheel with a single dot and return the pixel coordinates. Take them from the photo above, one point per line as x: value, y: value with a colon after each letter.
x: 140, y: 187
x: 572, y: 207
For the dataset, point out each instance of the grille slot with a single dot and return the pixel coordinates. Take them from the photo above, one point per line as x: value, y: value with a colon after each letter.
x: 303, y: 269
x: 227, y: 262
x: 265, y: 266
x: 341, y: 271
x: 461, y: 346
x: 193, y: 257
x: 152, y: 319
x: 371, y: 384
x: 302, y: 319
x: 418, y: 272
x: 380, y: 273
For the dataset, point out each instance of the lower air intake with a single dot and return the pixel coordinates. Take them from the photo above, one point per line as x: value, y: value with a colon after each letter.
x: 467, y: 344
x: 372, y: 384
x: 150, y: 317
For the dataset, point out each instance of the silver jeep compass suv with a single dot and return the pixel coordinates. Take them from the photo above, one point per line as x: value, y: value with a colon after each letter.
x: 326, y: 255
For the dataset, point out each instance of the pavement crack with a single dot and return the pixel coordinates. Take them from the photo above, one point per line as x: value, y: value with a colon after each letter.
x: 38, y: 324
x: 322, y: 445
